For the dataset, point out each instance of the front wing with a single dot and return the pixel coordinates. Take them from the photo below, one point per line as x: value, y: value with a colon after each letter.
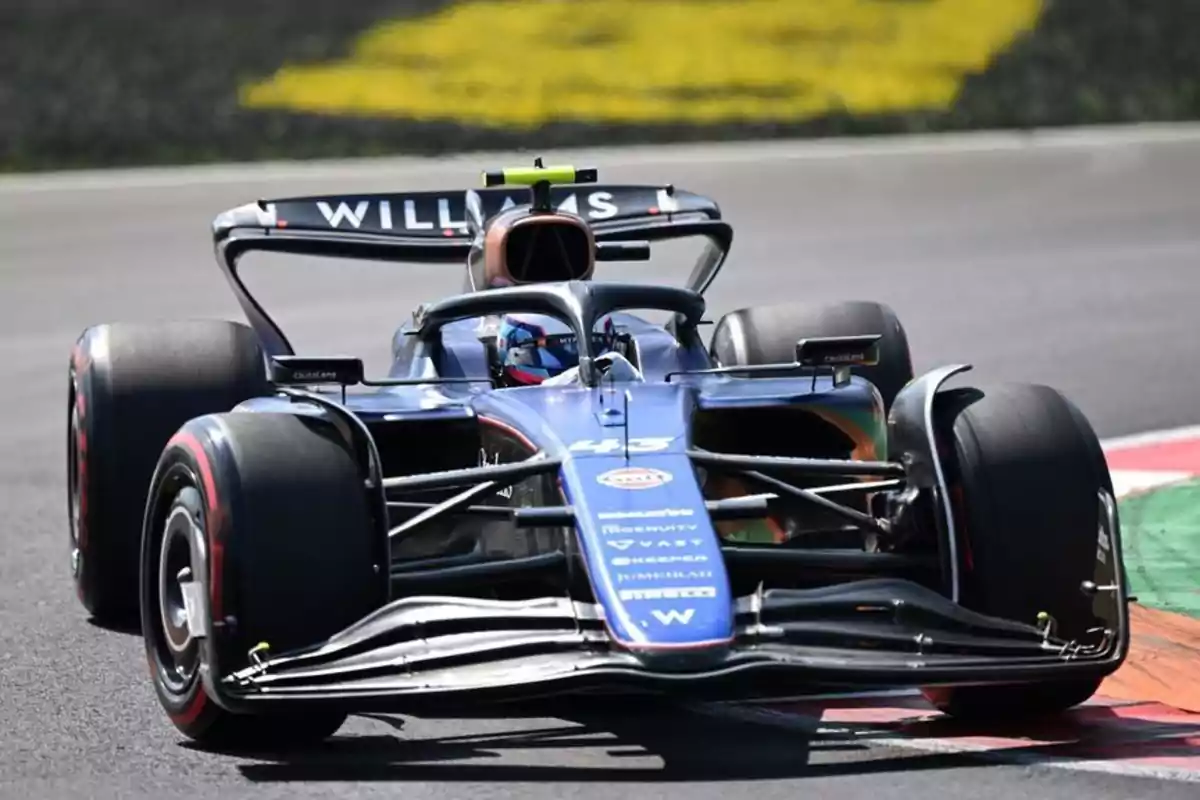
x: 441, y: 651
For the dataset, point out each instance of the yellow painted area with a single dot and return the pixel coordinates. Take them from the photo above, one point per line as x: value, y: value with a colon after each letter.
x: 528, y: 62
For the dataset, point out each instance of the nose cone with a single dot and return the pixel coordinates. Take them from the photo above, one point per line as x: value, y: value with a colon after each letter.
x: 653, y: 556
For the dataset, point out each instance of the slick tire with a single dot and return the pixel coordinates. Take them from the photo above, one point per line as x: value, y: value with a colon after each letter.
x: 269, y: 513
x: 768, y: 335
x: 1024, y: 469
x: 130, y: 388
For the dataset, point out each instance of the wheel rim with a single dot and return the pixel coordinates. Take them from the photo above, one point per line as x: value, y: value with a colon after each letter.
x: 178, y: 650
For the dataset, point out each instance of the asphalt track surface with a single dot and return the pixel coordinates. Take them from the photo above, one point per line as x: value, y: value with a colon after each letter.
x: 1070, y: 261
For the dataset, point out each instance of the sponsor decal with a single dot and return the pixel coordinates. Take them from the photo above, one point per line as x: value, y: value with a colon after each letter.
x: 656, y: 513
x: 634, y: 478
x: 669, y: 593
x: 671, y: 575
x: 355, y: 215
x: 651, y: 544
x: 674, y: 615
x: 608, y: 446
x: 315, y: 375
x: 637, y: 561
x: 407, y: 216
x: 614, y: 530
x: 599, y: 205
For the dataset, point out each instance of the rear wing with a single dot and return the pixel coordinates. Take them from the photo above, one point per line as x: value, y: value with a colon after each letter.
x: 431, y: 227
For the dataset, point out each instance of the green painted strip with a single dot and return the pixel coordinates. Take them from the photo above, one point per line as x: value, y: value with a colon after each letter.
x: 1161, y: 532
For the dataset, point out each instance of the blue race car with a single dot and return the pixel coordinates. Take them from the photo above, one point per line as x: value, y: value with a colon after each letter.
x: 549, y: 493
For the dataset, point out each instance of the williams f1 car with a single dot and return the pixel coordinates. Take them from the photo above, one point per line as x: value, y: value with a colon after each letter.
x: 550, y: 494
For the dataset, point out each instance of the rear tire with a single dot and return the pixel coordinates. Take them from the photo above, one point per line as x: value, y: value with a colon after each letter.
x: 270, y: 513
x: 131, y: 387
x: 768, y: 335
x: 1024, y: 468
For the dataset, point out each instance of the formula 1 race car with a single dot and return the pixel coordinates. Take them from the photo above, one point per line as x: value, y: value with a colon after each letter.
x: 549, y: 494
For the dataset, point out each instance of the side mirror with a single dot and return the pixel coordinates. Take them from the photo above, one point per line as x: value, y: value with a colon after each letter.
x: 839, y: 351
x: 302, y: 371
x: 622, y: 251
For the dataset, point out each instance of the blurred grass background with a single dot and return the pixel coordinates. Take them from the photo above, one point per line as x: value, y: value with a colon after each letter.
x: 121, y: 82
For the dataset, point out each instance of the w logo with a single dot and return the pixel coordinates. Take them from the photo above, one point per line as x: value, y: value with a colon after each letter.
x: 673, y: 616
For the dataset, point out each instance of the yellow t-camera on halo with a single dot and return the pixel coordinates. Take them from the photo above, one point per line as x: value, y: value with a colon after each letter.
x: 531, y: 176
x: 539, y: 179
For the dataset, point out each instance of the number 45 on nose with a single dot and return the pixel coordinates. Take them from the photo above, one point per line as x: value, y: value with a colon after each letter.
x: 604, y: 446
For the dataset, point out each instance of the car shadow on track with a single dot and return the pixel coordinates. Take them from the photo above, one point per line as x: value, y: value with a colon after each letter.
x: 1145, y: 732
x: 126, y: 628
x: 1101, y: 733
x: 592, y: 745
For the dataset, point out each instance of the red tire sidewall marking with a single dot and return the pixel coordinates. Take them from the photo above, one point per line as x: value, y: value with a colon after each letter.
x: 188, y: 442
x: 212, y: 519
x: 81, y: 472
x: 81, y: 363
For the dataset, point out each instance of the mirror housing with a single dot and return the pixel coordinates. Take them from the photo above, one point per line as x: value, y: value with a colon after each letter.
x: 622, y: 251
x: 839, y: 351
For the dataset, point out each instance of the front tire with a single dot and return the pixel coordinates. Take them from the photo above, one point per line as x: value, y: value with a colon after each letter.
x: 269, y: 514
x: 1025, y: 470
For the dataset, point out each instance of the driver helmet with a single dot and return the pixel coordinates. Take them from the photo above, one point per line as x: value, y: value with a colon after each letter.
x: 534, y: 347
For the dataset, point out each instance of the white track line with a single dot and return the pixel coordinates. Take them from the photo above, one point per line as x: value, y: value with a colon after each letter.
x: 704, y: 153
x: 759, y: 712
x: 1151, y: 438
x: 1130, y: 481
x: 809, y: 726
